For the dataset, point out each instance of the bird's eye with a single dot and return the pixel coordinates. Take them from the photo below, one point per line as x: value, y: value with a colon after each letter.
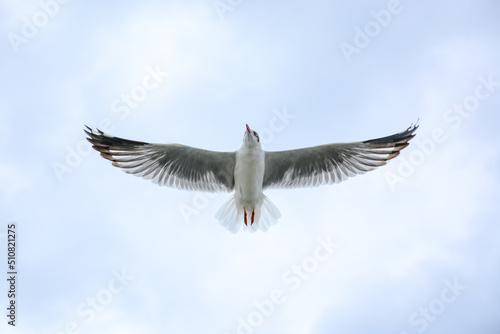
x: 256, y: 135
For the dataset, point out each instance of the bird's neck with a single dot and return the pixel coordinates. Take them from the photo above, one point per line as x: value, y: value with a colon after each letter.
x: 254, y: 147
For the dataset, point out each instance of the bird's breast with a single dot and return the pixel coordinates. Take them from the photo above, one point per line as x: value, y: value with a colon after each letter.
x: 249, y: 174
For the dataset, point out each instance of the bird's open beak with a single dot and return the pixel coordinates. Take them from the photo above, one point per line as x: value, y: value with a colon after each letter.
x: 248, y: 129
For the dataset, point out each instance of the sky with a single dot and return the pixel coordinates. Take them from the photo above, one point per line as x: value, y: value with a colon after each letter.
x: 409, y: 248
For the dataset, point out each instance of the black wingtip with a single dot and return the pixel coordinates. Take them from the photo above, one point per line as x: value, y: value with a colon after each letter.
x: 93, y: 136
x: 414, y: 126
x: 88, y: 131
x: 88, y: 128
x: 397, y: 139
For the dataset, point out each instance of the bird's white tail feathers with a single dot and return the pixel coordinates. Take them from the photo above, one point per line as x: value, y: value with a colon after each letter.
x: 230, y: 215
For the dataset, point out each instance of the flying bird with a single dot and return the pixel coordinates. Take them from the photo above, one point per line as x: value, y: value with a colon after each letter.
x: 249, y: 170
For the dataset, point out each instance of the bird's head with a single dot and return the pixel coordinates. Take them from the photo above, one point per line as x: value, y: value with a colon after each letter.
x: 251, y: 138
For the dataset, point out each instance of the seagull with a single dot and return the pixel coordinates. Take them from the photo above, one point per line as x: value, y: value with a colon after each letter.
x: 248, y: 171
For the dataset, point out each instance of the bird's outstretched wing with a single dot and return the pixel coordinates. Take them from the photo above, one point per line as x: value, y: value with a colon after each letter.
x: 331, y: 163
x: 173, y: 165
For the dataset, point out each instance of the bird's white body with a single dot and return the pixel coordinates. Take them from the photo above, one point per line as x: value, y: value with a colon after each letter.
x: 248, y: 176
x: 249, y: 207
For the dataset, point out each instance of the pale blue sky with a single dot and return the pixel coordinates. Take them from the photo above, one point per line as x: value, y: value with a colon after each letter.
x: 417, y: 240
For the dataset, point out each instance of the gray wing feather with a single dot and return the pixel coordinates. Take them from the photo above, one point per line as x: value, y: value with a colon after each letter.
x: 331, y: 163
x: 173, y: 165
